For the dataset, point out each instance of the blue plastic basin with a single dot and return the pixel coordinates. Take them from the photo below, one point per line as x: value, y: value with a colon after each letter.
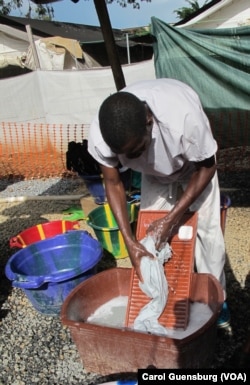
x: 95, y: 185
x: 48, y: 270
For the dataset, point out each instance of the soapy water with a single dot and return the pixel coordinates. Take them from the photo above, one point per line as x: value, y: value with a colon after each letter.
x: 113, y: 314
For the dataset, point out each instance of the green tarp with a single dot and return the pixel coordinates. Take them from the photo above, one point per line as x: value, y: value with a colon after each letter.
x: 216, y: 63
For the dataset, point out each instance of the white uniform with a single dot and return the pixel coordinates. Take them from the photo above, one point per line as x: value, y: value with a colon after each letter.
x: 181, y: 135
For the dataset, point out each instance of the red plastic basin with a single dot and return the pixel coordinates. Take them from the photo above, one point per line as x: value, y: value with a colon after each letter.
x: 42, y: 231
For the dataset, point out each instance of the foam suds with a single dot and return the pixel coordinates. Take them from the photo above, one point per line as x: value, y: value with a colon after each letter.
x: 113, y: 313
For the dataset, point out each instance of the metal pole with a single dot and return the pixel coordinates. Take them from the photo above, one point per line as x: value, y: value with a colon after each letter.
x: 128, y: 51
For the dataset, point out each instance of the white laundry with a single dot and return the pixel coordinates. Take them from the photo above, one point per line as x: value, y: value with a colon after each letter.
x: 154, y: 286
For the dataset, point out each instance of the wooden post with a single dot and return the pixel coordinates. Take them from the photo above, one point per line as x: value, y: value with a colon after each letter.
x: 33, y: 47
x: 111, y: 48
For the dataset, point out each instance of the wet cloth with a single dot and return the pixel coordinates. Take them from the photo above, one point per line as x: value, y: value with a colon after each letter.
x: 154, y: 286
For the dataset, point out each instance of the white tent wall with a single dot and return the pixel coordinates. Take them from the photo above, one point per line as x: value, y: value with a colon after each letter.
x: 62, y: 97
x: 67, y: 97
x: 21, y: 99
x: 73, y: 97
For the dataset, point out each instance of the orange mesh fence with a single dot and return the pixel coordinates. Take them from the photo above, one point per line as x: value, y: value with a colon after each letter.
x: 39, y: 150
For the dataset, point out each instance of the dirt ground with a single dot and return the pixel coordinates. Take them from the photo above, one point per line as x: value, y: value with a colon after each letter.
x: 17, y: 216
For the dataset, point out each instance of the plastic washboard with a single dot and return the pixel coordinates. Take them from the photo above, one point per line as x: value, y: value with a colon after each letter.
x: 178, y: 271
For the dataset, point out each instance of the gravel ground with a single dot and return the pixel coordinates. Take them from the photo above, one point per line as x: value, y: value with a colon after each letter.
x: 38, y: 349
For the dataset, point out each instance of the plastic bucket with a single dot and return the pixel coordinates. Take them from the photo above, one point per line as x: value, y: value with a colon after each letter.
x: 42, y: 231
x: 95, y: 185
x: 48, y: 270
x: 107, y: 231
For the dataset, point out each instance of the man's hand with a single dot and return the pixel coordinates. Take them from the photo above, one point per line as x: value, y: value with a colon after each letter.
x: 136, y: 252
x: 161, y: 230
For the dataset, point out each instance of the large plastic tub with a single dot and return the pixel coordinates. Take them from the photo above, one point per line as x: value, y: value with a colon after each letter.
x: 107, y: 231
x: 109, y: 350
x: 48, y: 270
x: 42, y: 231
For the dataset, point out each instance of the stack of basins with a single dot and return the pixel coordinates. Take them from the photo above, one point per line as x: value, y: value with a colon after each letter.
x: 54, y: 258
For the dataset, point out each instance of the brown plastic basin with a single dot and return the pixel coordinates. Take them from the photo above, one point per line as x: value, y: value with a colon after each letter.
x: 108, y: 350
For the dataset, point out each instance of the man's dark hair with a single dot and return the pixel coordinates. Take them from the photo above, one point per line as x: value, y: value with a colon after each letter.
x: 122, y: 116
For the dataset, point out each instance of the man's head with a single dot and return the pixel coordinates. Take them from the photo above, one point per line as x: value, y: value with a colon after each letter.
x: 123, y: 121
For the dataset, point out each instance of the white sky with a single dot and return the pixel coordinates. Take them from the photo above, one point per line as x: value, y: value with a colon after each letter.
x: 84, y: 12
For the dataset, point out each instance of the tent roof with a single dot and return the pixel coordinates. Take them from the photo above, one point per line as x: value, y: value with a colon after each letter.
x: 82, y: 33
x: 18, y: 34
x: 197, y: 13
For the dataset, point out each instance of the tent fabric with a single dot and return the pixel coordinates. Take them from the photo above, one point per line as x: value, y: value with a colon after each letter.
x: 8, y: 59
x: 14, y: 34
x: 55, y: 54
x: 12, y: 47
x: 63, y: 97
x: 216, y: 63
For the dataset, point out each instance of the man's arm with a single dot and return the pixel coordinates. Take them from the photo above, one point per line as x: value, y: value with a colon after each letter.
x: 118, y: 203
x: 204, y: 172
